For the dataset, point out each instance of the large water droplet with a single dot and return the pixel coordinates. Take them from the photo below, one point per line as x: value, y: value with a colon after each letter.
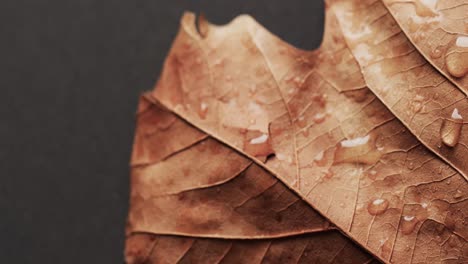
x: 377, y: 206
x: 408, y: 224
x: 357, y: 150
x: 451, y: 129
x: 456, y: 57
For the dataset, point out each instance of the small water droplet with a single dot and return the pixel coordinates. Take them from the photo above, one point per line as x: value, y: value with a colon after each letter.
x: 410, y: 165
x: 259, y: 146
x: 417, y: 104
x: 458, y: 194
x: 377, y: 206
x: 298, y: 81
x: 281, y: 156
x: 408, y: 223
x: 320, y: 99
x: 436, y: 52
x: 319, y: 159
x: 253, y: 89
x: 203, y: 110
x: 424, y: 205
x: 219, y: 62
x: 228, y: 78
x: 412, y: 25
x: 259, y: 140
x: 451, y: 129
x: 301, y: 122
x: 357, y: 150
x: 319, y: 118
x: 372, y: 174
x: 328, y: 174
x: 252, y: 121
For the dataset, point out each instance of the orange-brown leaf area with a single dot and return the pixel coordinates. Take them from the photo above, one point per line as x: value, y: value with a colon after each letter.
x: 249, y: 144
x: 329, y: 247
x: 203, y: 202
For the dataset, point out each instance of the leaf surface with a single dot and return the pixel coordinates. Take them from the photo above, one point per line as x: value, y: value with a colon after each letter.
x: 307, y: 121
x: 422, y: 98
x: 198, y: 212
x: 439, y: 29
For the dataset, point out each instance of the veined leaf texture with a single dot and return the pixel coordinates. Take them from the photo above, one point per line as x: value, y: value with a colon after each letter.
x: 249, y: 150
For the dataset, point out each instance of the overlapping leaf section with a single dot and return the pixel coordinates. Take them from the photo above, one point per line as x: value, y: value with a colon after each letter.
x: 255, y: 117
x: 193, y: 199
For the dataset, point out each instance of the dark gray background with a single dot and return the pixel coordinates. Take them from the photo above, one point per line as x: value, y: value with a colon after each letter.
x: 71, y: 73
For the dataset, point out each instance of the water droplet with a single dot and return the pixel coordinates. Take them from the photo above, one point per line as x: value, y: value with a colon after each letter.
x: 319, y: 159
x: 259, y: 146
x: 372, y: 174
x: 410, y: 165
x: 228, y: 78
x: 301, y: 122
x: 298, y: 81
x: 163, y: 123
x: 253, y: 89
x: 451, y: 129
x: 412, y: 25
x: 424, y: 205
x: 456, y: 57
x: 377, y: 206
x: 320, y: 99
x: 462, y: 41
x: 203, y: 110
x: 281, y: 156
x: 259, y: 140
x: 252, y: 121
x: 425, y: 8
x: 436, y: 52
x: 458, y: 194
x: 408, y: 223
x: 357, y: 150
x: 319, y: 118
x: 219, y: 62
x: 416, y: 104
x: 328, y: 174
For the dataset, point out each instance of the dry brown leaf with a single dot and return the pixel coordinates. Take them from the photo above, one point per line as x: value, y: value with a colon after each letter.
x: 423, y: 99
x: 197, y: 203
x: 307, y: 119
x: 439, y: 29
